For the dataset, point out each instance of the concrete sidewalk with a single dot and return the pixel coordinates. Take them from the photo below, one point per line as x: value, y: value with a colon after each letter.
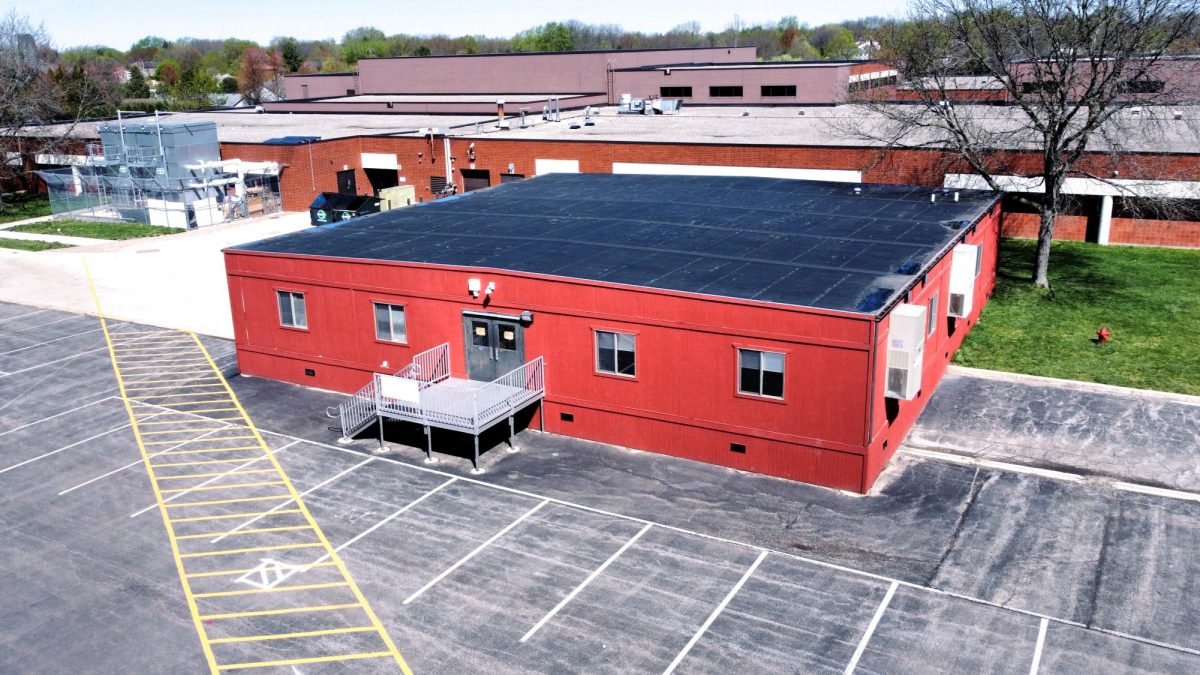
x: 1146, y: 437
x: 54, y: 238
x: 172, y: 281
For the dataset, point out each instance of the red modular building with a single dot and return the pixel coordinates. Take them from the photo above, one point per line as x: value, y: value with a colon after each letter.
x: 786, y: 327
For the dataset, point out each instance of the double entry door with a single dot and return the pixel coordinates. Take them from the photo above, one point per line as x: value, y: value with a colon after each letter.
x: 495, y: 346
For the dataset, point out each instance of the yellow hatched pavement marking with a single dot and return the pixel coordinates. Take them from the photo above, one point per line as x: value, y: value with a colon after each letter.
x: 137, y: 434
x: 273, y: 589
x: 285, y: 610
x: 203, y: 365
x: 311, y: 659
x: 239, y: 572
x: 287, y: 636
x: 228, y: 533
x: 227, y: 486
x: 252, y: 549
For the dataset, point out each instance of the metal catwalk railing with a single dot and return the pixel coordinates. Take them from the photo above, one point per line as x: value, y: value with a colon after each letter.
x: 357, y: 412
x: 424, y: 393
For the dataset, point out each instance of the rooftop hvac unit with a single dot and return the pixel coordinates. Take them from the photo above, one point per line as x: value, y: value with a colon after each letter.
x: 963, y: 263
x: 905, y: 352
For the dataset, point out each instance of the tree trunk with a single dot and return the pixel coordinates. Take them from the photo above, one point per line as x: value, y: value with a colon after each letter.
x: 1045, y: 236
x: 1049, y: 212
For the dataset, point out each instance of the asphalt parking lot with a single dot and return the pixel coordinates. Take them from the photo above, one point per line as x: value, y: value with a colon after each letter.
x: 566, y: 556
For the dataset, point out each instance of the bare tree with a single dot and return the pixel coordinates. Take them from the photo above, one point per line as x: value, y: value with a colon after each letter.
x: 1080, y: 77
x: 29, y: 98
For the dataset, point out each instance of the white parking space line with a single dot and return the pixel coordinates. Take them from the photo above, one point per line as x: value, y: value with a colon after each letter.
x: 571, y: 596
x: 394, y: 515
x: 49, y: 323
x: 862, y: 644
x: 21, y: 316
x: 67, y: 447
x: 50, y: 363
x: 703, y: 535
x: 136, y: 462
x: 65, y: 412
x: 715, y: 613
x: 214, y: 479
x: 289, y: 500
x: 65, y: 337
x: 1037, y: 650
x: 472, y: 554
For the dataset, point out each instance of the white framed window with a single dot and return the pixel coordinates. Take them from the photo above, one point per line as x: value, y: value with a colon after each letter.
x: 931, y: 316
x: 760, y: 373
x: 292, y: 312
x: 979, y: 259
x: 616, y: 353
x: 390, y: 323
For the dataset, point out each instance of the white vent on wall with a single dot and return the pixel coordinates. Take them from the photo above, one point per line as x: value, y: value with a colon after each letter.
x: 963, y: 261
x: 905, y: 351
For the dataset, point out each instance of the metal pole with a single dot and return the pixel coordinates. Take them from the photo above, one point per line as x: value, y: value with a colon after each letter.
x: 542, y: 416
x: 382, y: 447
x: 512, y: 447
x: 429, y: 445
x: 475, y: 462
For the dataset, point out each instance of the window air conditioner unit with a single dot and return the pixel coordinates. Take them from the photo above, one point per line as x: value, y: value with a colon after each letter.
x: 905, y: 351
x: 963, y: 262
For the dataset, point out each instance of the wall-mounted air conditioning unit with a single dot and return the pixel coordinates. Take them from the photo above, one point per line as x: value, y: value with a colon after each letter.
x: 905, y: 351
x: 963, y: 263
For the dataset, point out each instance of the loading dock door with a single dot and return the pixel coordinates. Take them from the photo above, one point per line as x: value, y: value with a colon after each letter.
x: 494, y: 346
x: 476, y: 179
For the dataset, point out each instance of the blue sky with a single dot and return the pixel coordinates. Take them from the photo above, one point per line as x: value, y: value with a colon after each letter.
x: 118, y: 23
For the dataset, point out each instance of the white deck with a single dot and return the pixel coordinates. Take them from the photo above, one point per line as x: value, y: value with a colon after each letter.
x: 460, y: 405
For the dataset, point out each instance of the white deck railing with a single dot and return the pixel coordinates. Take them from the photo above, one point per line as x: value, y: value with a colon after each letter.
x: 428, y: 367
x: 504, y: 395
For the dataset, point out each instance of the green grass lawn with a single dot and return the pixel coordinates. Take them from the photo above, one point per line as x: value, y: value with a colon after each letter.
x: 22, y: 206
x: 1148, y: 297
x: 28, y: 245
x: 96, y: 230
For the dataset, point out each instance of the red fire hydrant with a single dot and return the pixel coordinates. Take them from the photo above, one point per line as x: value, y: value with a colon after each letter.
x: 1103, y: 334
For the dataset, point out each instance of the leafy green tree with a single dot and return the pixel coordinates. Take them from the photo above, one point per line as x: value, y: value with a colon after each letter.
x: 551, y: 37
x: 289, y: 53
x: 229, y: 85
x: 841, y: 45
x: 364, y: 42
x: 136, y: 87
x: 150, y: 42
x: 422, y: 50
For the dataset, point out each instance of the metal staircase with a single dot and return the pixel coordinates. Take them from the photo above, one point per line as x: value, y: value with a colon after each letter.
x: 357, y: 412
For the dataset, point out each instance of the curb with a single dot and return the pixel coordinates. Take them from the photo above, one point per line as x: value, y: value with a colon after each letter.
x: 1096, y: 387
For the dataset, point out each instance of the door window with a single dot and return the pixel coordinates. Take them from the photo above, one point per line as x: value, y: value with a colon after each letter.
x: 479, y: 334
x: 507, y: 338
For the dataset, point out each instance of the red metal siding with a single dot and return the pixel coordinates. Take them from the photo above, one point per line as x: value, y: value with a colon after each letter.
x: 939, y: 347
x: 683, y: 401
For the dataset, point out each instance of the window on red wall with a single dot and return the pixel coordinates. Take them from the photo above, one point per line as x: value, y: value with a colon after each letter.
x: 931, y: 316
x: 760, y: 373
x: 616, y: 353
x: 292, y: 312
x: 391, y: 324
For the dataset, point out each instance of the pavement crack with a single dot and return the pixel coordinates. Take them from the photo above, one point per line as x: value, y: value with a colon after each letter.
x: 976, y: 487
x: 1088, y: 611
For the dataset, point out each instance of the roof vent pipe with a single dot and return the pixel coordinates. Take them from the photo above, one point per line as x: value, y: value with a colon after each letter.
x: 956, y: 195
x: 932, y: 197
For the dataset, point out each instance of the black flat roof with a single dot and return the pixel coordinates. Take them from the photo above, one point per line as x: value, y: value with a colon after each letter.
x: 796, y: 242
